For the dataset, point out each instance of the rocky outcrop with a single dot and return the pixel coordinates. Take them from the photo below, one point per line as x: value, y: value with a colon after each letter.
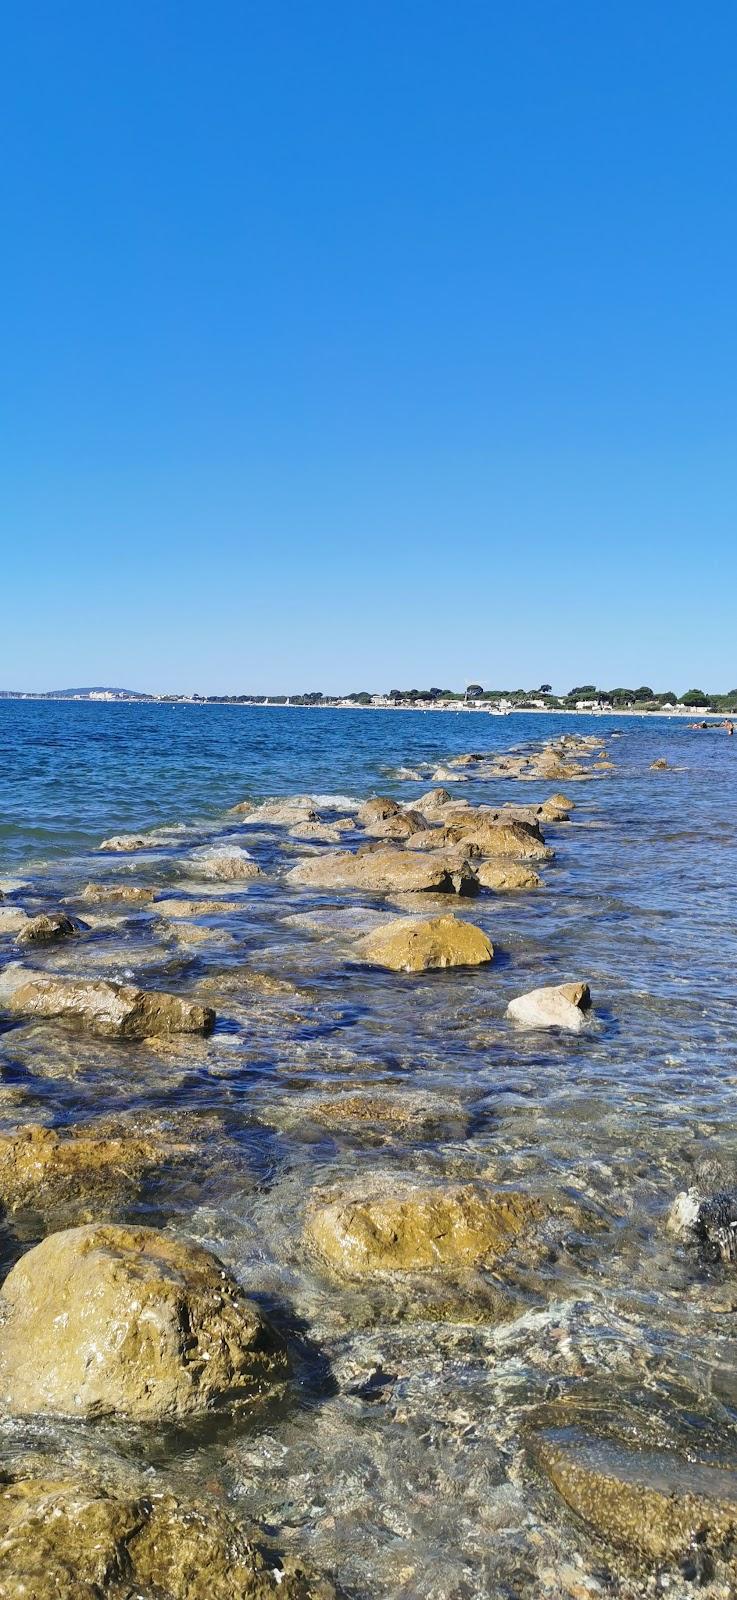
x: 415, y: 1229
x: 50, y: 925
x: 562, y: 1005
x: 130, y: 894
x: 504, y: 876
x: 388, y: 872
x: 112, y: 1010
x: 66, y: 1538
x: 416, y: 944
x: 106, y: 1319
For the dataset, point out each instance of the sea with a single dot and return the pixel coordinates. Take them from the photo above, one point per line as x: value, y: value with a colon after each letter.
x: 401, y: 1462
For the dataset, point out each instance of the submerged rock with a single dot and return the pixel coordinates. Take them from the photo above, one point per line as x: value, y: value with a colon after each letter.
x: 67, y: 1539
x: 112, y: 1010
x: 106, y: 1319
x: 562, y: 1005
x: 413, y: 1229
x: 651, y: 1503
x: 506, y: 876
x: 124, y: 843
x: 12, y: 919
x: 203, y: 907
x: 43, y: 1169
x: 415, y: 944
x: 388, y: 872
x: 48, y: 926
x: 408, y: 1112
x: 101, y: 894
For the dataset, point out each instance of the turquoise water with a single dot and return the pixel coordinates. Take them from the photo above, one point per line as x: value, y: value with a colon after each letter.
x: 398, y: 1464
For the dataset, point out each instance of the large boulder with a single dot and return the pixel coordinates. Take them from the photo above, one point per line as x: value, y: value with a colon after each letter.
x: 506, y: 875
x: 508, y: 838
x: 66, y: 1538
x: 400, y: 825
x: 387, y: 871
x: 415, y: 1229
x: 561, y: 1005
x: 112, y: 1010
x: 107, y: 1319
x: 415, y: 944
x: 377, y: 809
x: 433, y: 803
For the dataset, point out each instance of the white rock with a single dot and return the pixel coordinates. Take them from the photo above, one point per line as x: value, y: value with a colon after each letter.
x: 563, y: 1005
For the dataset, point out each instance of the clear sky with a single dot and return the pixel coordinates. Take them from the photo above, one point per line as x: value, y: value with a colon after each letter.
x: 359, y: 345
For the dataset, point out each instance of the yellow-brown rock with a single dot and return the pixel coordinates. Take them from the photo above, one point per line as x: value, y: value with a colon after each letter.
x: 413, y: 1230
x: 100, y: 894
x: 66, y: 1539
x: 506, y: 875
x: 106, y: 1319
x: 388, y: 871
x: 111, y: 1010
x: 43, y: 1169
x: 416, y: 944
x: 510, y: 838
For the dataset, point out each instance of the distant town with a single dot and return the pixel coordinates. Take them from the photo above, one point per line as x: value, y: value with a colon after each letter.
x: 584, y: 697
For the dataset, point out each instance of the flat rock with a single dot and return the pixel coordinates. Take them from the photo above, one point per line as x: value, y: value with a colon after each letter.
x: 130, y: 894
x: 112, y: 1010
x: 409, y: 1112
x: 507, y: 875
x: 106, y: 1319
x: 68, y: 1539
x: 125, y: 843
x: 412, y: 1229
x: 562, y: 1005
x: 280, y: 813
x: 387, y: 871
x: 416, y: 944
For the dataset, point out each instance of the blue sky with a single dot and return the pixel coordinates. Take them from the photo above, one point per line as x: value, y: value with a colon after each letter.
x: 348, y: 346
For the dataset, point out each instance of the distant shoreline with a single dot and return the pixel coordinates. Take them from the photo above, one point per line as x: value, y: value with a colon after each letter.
x: 668, y: 714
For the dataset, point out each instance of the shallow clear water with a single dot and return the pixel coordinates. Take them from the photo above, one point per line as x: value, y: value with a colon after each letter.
x: 398, y: 1461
